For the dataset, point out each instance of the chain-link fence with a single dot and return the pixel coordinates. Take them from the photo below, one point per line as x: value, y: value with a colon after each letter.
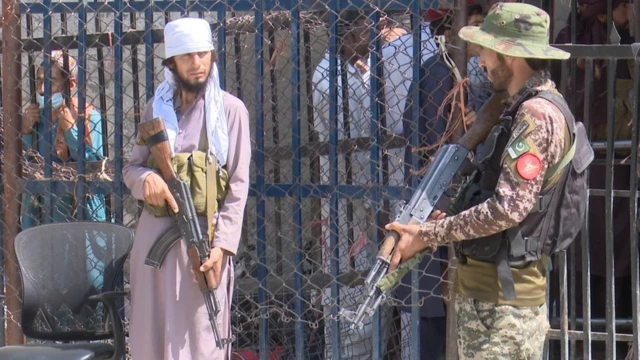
x: 343, y: 123
x: 292, y: 244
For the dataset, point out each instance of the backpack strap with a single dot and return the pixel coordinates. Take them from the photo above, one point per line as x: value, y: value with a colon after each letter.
x: 557, y: 100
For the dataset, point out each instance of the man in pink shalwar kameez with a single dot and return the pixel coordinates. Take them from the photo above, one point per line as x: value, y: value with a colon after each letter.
x: 168, y: 317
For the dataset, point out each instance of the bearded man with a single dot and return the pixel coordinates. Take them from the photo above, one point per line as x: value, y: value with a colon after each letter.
x: 169, y: 318
x: 500, y: 285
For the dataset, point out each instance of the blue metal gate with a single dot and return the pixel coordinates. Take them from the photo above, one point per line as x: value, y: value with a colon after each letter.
x: 286, y: 274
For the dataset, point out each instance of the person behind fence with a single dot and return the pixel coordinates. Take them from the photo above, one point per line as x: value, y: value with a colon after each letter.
x: 521, y: 189
x: 479, y: 89
x: 355, y: 225
x: 389, y: 29
x: 397, y: 56
x: 591, y: 29
x: 398, y: 60
x: 64, y: 119
x: 168, y: 315
x: 436, y: 81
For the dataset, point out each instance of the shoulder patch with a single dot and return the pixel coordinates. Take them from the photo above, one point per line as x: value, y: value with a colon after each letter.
x: 529, y: 166
x: 518, y: 148
x: 517, y: 132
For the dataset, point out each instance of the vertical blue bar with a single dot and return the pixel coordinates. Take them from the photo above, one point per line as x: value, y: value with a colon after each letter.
x: 3, y: 281
x: 586, y: 259
x: 47, y: 136
x: 296, y: 166
x: 82, y: 91
x: 222, y: 43
x: 184, y: 8
x: 573, y: 62
x: 561, y: 260
x: 119, y: 122
x: 375, y: 79
x: 334, y: 263
x: 148, y: 49
x: 572, y: 249
x: 608, y: 206
x: 260, y: 187
x: 118, y: 116
x: 633, y: 203
x: 416, y: 23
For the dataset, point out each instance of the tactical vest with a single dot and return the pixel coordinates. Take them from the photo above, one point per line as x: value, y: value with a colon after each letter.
x: 527, y: 242
x: 208, y: 182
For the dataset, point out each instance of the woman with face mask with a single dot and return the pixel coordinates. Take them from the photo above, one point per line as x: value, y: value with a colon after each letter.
x: 63, y: 115
x: 63, y: 122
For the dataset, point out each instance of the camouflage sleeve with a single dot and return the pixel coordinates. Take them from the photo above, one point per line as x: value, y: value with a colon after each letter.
x: 537, y: 141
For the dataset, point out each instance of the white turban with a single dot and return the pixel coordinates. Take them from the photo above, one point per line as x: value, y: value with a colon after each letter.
x: 183, y: 36
x: 187, y: 35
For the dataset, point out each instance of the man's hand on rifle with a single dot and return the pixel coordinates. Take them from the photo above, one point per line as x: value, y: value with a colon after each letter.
x: 156, y: 192
x: 410, y: 241
x: 215, y: 262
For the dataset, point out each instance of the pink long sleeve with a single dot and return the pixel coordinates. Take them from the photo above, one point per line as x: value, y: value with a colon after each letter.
x: 231, y: 213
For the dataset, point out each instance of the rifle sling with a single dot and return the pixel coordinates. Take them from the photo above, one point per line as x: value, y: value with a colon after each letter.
x: 159, y: 137
x: 211, y: 199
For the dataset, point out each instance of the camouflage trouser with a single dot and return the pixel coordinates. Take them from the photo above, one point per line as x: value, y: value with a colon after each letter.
x: 488, y: 331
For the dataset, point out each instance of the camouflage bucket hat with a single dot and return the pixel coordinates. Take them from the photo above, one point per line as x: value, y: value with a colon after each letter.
x: 514, y: 29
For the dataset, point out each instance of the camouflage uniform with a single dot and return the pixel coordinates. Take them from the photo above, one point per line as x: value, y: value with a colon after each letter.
x: 544, y: 135
x: 487, y: 331
x: 489, y: 327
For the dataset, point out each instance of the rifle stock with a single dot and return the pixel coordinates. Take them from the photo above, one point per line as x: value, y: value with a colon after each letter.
x: 486, y: 118
x: 154, y: 134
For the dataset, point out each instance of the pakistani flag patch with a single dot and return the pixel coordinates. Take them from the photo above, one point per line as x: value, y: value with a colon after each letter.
x: 518, y: 148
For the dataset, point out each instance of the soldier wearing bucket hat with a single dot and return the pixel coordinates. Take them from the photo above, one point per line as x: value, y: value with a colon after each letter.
x: 516, y: 30
x: 500, y: 234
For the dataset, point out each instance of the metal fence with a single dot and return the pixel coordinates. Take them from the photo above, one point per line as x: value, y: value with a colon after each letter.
x: 326, y: 173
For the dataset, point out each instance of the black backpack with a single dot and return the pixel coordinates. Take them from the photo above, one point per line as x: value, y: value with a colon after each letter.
x: 567, y: 208
x: 554, y: 222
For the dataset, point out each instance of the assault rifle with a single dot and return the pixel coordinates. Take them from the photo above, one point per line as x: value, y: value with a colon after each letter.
x: 448, y: 162
x: 186, y: 220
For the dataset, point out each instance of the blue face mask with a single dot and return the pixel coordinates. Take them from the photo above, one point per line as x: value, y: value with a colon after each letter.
x: 56, y: 99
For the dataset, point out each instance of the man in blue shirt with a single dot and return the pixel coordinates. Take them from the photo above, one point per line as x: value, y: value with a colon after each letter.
x: 434, y: 83
x: 436, y: 80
